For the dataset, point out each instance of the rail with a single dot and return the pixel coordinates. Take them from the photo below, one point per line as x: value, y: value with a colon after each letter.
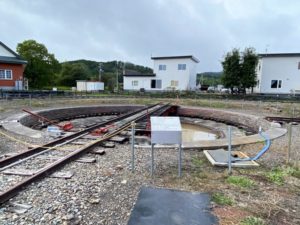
x: 6, y: 195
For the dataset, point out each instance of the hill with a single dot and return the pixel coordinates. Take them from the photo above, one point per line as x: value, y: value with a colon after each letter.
x: 110, y: 67
x: 209, y: 78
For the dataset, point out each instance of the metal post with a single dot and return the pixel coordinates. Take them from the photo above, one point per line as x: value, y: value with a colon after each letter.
x: 293, y: 111
x: 132, y: 145
x: 289, y: 143
x: 152, y: 160
x: 179, y: 160
x: 30, y: 100
x: 117, y: 77
x: 229, y: 150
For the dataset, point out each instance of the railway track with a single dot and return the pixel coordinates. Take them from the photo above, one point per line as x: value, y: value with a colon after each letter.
x: 46, y: 159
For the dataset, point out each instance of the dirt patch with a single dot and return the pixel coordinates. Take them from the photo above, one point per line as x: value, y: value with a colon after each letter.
x: 230, y: 215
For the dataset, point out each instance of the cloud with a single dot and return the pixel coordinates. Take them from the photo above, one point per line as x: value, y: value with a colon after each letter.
x: 134, y: 30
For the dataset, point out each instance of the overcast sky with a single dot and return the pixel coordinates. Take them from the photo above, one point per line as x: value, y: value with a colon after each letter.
x: 133, y: 30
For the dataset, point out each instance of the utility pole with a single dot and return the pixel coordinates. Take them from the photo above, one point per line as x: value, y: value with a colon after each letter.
x: 117, y: 77
x: 100, y: 70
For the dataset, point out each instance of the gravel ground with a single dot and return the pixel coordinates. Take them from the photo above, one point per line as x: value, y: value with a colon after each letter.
x: 105, y: 192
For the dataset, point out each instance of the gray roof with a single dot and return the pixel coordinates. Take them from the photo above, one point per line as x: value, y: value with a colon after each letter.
x: 139, y: 75
x: 279, y: 55
x: 178, y: 57
x: 11, y: 60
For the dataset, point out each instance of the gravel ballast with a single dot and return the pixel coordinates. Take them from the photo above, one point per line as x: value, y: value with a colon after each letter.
x: 104, y: 192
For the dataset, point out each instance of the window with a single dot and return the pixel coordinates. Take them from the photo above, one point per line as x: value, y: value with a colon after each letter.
x: 5, y: 74
x: 162, y: 67
x: 174, y: 83
x: 155, y: 83
x: 181, y: 66
x: 135, y: 83
x: 276, y: 83
x: 8, y: 74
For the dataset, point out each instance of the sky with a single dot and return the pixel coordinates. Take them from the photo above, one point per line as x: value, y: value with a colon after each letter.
x: 135, y: 30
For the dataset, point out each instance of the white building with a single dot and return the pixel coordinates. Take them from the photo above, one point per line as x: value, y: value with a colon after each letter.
x: 170, y: 73
x: 83, y: 85
x: 278, y: 73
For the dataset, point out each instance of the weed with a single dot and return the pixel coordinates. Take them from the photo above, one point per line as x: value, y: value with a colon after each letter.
x: 198, y: 163
x: 222, y: 199
x: 276, y: 176
x: 296, y: 173
x: 239, y: 181
x: 251, y: 220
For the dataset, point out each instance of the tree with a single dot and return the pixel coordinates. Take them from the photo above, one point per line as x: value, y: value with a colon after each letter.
x: 71, y: 72
x: 231, y: 70
x: 239, y: 69
x: 248, y: 69
x: 41, y: 67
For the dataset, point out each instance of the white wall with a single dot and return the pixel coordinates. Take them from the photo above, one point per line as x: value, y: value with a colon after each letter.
x: 4, y: 52
x: 278, y: 68
x: 143, y: 82
x: 186, y: 78
x: 89, y: 86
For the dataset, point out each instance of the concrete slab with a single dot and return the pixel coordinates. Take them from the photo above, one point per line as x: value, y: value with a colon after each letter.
x: 170, y: 207
x: 219, y: 157
x: 12, y: 124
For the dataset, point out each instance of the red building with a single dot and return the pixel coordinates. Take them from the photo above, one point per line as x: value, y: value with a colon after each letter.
x: 11, y: 69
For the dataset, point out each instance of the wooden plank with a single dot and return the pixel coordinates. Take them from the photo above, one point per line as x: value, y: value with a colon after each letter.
x: 98, y: 151
x: 108, y: 144
x: 118, y: 139
x: 65, y: 175
x: 19, y: 172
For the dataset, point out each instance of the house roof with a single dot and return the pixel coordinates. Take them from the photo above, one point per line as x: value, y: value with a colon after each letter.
x: 279, y: 55
x: 11, y: 60
x: 139, y: 75
x: 178, y: 57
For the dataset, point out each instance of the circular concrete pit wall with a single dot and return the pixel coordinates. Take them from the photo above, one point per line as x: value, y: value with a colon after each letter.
x: 248, y: 122
x: 245, y: 121
x: 61, y: 114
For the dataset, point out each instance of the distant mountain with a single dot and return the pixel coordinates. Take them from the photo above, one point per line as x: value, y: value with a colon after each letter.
x: 110, y: 67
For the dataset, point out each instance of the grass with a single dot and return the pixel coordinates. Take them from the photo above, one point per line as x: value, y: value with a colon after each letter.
x: 277, y: 175
x: 198, y: 163
x: 295, y: 172
x: 251, y: 220
x: 240, y: 181
x: 222, y: 199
